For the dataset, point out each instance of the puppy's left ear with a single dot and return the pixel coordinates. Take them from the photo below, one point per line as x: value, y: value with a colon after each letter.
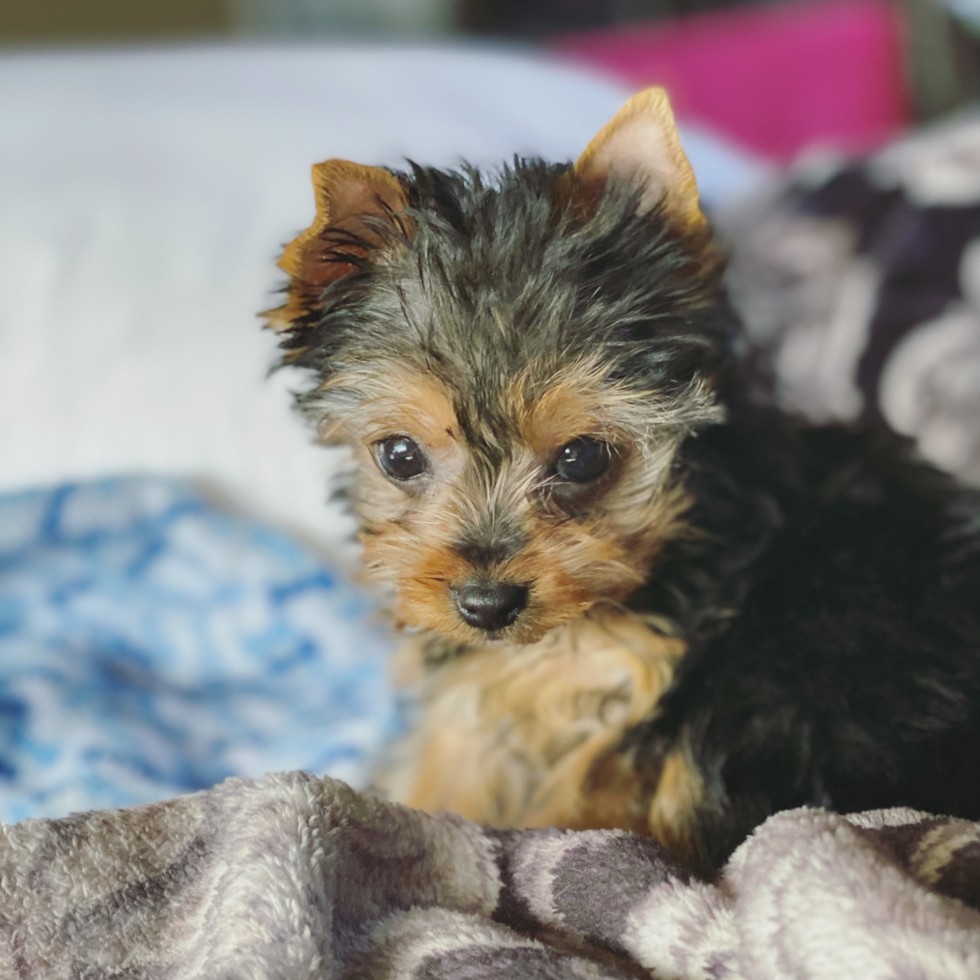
x: 641, y: 144
x: 351, y: 200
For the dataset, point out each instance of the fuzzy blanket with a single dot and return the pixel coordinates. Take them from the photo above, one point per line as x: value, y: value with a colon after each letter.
x: 298, y: 877
x: 153, y: 644
x: 859, y: 287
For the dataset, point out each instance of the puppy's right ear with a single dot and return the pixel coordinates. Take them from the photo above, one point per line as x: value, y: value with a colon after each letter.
x: 346, y: 194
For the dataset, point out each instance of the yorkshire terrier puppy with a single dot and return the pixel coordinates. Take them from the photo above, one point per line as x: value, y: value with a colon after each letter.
x: 630, y: 598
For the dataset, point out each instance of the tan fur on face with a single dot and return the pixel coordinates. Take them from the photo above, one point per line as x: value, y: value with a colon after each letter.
x: 561, y: 414
x: 411, y: 531
x: 566, y: 566
x: 520, y: 736
x: 391, y: 399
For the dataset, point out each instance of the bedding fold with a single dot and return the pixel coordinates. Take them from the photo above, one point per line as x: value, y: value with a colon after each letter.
x: 299, y: 877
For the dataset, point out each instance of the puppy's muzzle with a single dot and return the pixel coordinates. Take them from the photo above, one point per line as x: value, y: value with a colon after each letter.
x: 490, y: 606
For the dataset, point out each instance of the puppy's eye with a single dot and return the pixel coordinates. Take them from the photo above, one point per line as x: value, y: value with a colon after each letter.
x: 400, y: 458
x: 583, y: 460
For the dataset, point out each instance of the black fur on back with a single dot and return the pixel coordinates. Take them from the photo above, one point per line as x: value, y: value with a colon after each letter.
x: 833, y: 606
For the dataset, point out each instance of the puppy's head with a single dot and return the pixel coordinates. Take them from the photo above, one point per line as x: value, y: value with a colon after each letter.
x: 514, y: 363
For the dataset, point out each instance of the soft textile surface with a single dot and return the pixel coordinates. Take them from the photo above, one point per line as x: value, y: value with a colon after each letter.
x: 859, y: 284
x: 296, y: 877
x: 151, y: 644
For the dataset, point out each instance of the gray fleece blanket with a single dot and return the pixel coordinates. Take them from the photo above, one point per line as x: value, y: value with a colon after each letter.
x: 297, y: 877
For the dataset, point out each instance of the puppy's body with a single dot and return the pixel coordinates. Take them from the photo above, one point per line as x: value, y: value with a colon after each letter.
x: 640, y: 602
x: 828, y: 614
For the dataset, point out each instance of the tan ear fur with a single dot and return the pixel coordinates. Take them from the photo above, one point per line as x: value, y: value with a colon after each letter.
x: 641, y: 143
x: 345, y: 193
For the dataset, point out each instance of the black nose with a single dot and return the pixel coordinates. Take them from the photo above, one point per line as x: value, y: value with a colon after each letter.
x: 490, y: 605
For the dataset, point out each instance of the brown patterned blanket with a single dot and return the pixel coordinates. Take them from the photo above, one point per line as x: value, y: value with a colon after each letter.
x: 297, y: 877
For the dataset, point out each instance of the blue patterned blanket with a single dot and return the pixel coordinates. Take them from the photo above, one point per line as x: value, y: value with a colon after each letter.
x: 151, y: 644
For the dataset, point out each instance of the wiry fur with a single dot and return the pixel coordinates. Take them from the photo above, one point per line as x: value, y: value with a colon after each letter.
x: 558, y: 318
x: 823, y: 585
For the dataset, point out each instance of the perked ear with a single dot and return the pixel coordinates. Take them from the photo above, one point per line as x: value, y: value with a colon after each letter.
x: 346, y: 193
x: 641, y: 144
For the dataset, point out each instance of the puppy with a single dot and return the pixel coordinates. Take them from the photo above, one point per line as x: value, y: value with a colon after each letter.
x: 630, y: 598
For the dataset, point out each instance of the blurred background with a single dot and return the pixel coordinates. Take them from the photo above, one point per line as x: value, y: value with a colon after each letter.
x: 176, y: 603
x: 773, y: 51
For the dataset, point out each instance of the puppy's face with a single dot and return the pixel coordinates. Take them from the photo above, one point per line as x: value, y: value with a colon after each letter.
x: 514, y: 365
x: 502, y: 512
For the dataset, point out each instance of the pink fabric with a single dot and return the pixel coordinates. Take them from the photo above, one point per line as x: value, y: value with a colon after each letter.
x: 776, y: 79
